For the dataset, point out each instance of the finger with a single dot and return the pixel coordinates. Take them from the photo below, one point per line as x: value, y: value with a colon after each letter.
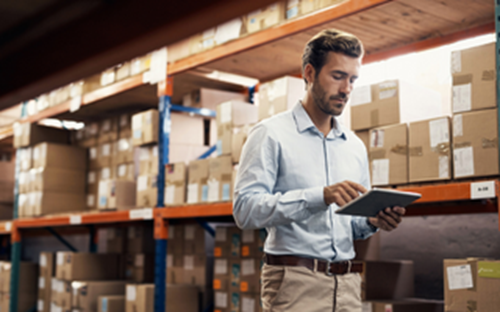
x: 392, y: 214
x: 399, y: 210
x: 384, y: 225
x: 357, y: 187
x: 347, y: 198
x: 388, y: 219
x: 350, y: 190
x: 339, y: 200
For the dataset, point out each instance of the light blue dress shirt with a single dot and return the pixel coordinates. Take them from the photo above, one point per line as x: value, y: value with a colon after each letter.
x: 285, y: 164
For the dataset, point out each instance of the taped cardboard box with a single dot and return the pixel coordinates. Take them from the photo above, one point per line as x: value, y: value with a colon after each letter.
x: 265, y: 18
x: 125, y: 127
x: 404, y: 305
x: 124, y: 151
x: 139, y: 297
x: 123, y: 71
x: 140, y: 268
x: 429, y: 150
x: 147, y: 191
x: 185, y: 129
x: 140, y: 240
x: 28, y: 277
x: 108, y: 130
x: 197, y: 188
x: 111, y: 303
x: 46, y: 272
x: 92, y: 181
x: 71, y: 266
x: 175, y: 184
x: 148, y: 160
x: 53, y: 155
x: 44, y: 203
x: 240, y: 135
x: 93, y: 158
x: 198, y: 270
x: 250, y: 303
x: 28, y: 134
x: 220, y: 176
x: 61, y: 180
x: 86, y: 293
x: 210, y: 98
x: 104, y: 154
x: 125, y: 172
x: 221, y: 269
x: 62, y: 294
x: 280, y: 95
x: 471, y: 284
x: 226, y: 301
x: 145, y: 127
x: 475, y: 144
x: 229, y: 115
x: 252, y: 243
x: 474, y: 78
x: 176, y: 238
x: 185, y: 153
x: 115, y: 240
x: 388, y: 155
x: 392, y: 102
x: 196, y: 240
x: 116, y: 194
x: 364, y: 136
x: 387, y: 280
x: 250, y: 275
x: 227, y: 242
x: 25, y: 156
x: 25, y: 301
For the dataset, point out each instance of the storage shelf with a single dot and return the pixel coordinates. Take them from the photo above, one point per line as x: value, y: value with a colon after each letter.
x: 196, y: 211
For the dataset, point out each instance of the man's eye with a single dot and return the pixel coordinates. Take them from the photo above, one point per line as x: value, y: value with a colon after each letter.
x: 337, y: 77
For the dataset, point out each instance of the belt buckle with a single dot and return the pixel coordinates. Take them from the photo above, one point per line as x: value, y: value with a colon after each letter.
x: 328, y: 271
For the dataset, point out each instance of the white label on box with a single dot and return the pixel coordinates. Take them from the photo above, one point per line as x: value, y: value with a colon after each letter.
x: 380, y: 171
x: 60, y: 258
x: 169, y: 194
x: 139, y: 261
x: 247, y: 267
x: 93, y: 152
x: 40, y: 305
x: 170, y: 261
x: 444, y: 167
x: 213, y: 190
x: 247, y: 236
x: 377, y: 138
x: 225, y: 112
x: 75, y: 104
x: 439, y: 132
x: 91, y: 177
x: 480, y: 190
x: 142, y: 183
x: 90, y: 200
x: 75, y: 219
x: 8, y: 226
x: 188, y: 262
x: 123, y: 145
x: 106, y: 150
x: 221, y: 300
x: 366, y: 307
x: 189, y: 232
x: 462, y: 98
x: 137, y: 121
x: 105, y: 173
x: 158, y: 70
x: 387, y: 90
x: 41, y: 282
x: 458, y: 128
x: 131, y: 293
x: 144, y: 154
x: 459, y: 277
x: 155, y: 151
x: 463, y: 161
x: 247, y: 305
x: 192, y: 196
x: 456, y: 62
x: 36, y: 153
x: 60, y: 287
x: 220, y: 234
x: 361, y: 95
x: 122, y: 170
x: 43, y: 260
x: 220, y: 266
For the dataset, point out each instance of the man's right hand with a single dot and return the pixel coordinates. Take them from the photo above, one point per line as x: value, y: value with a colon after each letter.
x: 342, y: 193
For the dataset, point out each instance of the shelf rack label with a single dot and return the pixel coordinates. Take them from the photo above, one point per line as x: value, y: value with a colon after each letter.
x: 77, y: 219
x: 481, y: 190
x: 144, y: 214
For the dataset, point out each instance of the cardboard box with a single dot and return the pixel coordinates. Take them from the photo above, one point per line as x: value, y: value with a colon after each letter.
x: 24, y: 183
x: 140, y: 268
x: 73, y: 266
x: 58, y: 180
x: 387, y: 280
x: 140, y: 239
x: 226, y: 301
x: 197, y: 270
x: 210, y: 98
x: 250, y: 275
x: 106, y: 173
x: 140, y: 64
x: 227, y: 242
x: 265, y: 18
x: 183, y: 298
x: 91, y: 83
x: 197, y: 188
x: 252, y: 243
x: 474, y: 78
x: 178, y: 51
x: 6, y: 211
x: 364, y: 136
x: 62, y: 294
x: 194, y: 240
x: 125, y: 172
x: 185, y: 129
x: 51, y: 155
x: 280, y: 95
x: 388, y: 155
x: 229, y: 115
x: 25, y: 301
x: 404, y: 305
x: 116, y: 239
x: 25, y: 156
x: 148, y: 160
x: 104, y: 155
x: 125, y: 151
x: 429, y: 150
x: 28, y: 277
x: 27, y: 134
x: 111, y: 303
x: 46, y: 271
x: 250, y: 303
x: 185, y: 153
x: 145, y: 127
x: 220, y: 176
x: 139, y: 297
x: 147, y: 191
x: 44, y: 203
x: 175, y: 184
x: 86, y: 293
x: 108, y: 131
x: 6, y: 191
x: 93, y: 159
x: 392, y: 102
x: 475, y: 144
x: 308, y: 6
x: 368, y: 249
x: 240, y: 135
x: 125, y: 127
x: 176, y: 239
x: 116, y: 194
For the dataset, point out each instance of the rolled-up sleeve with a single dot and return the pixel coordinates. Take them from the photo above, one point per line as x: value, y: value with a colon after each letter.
x: 255, y: 205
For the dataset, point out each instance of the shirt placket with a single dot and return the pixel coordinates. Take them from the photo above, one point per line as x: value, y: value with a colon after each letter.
x: 328, y: 179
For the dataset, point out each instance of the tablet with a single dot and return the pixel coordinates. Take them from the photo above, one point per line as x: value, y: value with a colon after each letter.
x: 370, y: 203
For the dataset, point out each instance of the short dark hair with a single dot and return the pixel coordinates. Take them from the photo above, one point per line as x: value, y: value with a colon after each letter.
x: 330, y: 40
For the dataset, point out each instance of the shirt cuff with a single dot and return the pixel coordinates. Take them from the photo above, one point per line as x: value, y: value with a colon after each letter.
x: 315, y: 199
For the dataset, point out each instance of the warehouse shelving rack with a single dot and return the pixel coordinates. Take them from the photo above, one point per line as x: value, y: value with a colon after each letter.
x: 387, y: 27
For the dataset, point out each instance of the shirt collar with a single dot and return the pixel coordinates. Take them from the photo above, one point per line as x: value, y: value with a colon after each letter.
x: 304, y: 123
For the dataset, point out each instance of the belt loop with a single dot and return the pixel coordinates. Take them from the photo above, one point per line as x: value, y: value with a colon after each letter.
x: 349, y: 266
x: 315, y: 265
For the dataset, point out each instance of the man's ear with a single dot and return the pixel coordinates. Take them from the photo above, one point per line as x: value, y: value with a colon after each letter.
x: 309, y: 74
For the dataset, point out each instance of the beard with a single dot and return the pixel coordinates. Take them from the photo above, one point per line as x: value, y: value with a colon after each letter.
x: 321, y: 99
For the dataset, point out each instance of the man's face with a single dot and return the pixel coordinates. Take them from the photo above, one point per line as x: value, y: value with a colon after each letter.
x: 334, y: 83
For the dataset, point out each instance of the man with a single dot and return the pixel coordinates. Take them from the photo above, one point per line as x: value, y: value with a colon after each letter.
x: 296, y: 169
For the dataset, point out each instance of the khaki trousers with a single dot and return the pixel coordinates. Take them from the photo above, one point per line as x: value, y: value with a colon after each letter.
x: 299, y: 289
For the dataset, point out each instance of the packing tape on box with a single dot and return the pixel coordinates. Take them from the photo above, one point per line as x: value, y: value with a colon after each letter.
x: 487, y: 143
x: 175, y: 183
x: 460, y: 80
x: 400, y: 149
x: 374, y: 118
x: 461, y: 144
x: 442, y: 149
x: 488, y: 75
x: 378, y: 154
x: 415, y: 151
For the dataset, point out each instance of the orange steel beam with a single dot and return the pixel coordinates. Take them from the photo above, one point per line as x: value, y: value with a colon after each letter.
x: 274, y: 33
x: 431, y: 43
x: 193, y: 211
x: 441, y: 193
x: 161, y: 227
x: 6, y: 132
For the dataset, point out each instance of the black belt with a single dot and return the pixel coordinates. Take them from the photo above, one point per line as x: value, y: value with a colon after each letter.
x: 330, y: 268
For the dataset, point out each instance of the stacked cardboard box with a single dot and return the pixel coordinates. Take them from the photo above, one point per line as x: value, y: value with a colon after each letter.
x: 197, y: 187
x: 140, y: 298
x: 139, y: 255
x: 175, y: 184
x: 46, y: 273
x: 7, y: 165
x: 265, y: 18
x: 27, y: 292
x: 27, y: 134
x: 220, y: 179
x: 280, y: 95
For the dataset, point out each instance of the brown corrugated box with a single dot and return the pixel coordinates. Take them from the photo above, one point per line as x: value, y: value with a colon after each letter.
x: 125, y: 172
x: 25, y: 301
x: 387, y: 280
x: 111, y: 304
x: 116, y: 194
x: 106, y: 173
x: 72, y: 266
x: 227, y: 242
x: 364, y: 135
x: 148, y: 160
x: 388, y: 154
x: 140, y: 240
x: 175, y: 184
x: 475, y: 144
x: 220, y: 176
x: 368, y: 249
x: 210, y: 98
x: 474, y: 78
x: 147, y: 191
x: 429, y: 150
x: 226, y: 301
x: 116, y: 239
x: 250, y: 275
x: 93, y: 159
x: 28, y: 277
x: 139, y: 298
x: 145, y: 127
x: 252, y: 243
x: 197, y: 270
x: 105, y: 153
x: 266, y: 17
x: 58, y: 180
x: 86, y: 293
x: 125, y: 127
x: 108, y: 130
x: 250, y: 303
x: 43, y: 203
x: 59, y: 156
x: 197, y: 188
x: 392, y: 102
x: 140, y: 268
x: 46, y: 272
x: 194, y: 239
x: 125, y: 151
x: 27, y: 134
x: 176, y: 239
x: 221, y: 273
x: 280, y: 95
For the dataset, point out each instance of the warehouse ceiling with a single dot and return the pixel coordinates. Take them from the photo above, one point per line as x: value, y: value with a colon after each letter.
x: 48, y: 43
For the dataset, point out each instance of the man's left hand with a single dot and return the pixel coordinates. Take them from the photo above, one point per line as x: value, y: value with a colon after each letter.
x: 388, y: 219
